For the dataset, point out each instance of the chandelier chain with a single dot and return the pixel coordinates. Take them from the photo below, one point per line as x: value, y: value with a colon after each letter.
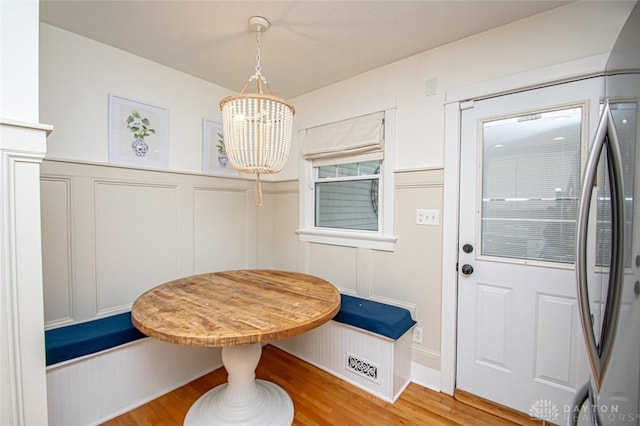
x: 258, y: 65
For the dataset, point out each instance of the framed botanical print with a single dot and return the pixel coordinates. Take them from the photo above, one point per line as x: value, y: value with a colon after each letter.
x: 214, y: 155
x: 138, y: 133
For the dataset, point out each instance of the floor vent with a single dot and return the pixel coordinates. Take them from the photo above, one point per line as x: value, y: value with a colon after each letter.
x: 362, y: 367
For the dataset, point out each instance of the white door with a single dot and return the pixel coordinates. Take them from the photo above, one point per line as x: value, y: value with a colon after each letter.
x: 519, y: 339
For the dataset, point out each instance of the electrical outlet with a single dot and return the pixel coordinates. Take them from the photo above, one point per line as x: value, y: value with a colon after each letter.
x: 417, y: 334
x: 427, y: 217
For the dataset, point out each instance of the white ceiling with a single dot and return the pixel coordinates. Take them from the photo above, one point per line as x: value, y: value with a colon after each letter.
x: 311, y: 44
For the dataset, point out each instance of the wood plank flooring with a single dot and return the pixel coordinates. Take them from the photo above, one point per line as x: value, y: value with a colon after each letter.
x: 322, y: 399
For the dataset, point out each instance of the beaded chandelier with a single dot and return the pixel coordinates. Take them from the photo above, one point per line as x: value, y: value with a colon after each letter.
x: 257, y: 126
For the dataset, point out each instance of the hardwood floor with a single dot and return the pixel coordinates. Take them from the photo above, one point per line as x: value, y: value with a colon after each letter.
x: 322, y: 399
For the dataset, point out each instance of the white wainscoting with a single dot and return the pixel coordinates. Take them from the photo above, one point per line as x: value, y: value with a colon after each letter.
x: 110, y: 233
x: 56, y: 194
x: 22, y: 147
x: 136, y: 240
x: 220, y: 237
x: 410, y: 276
x: 98, y: 387
x: 328, y: 346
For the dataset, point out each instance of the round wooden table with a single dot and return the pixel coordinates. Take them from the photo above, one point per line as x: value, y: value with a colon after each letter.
x: 238, y: 311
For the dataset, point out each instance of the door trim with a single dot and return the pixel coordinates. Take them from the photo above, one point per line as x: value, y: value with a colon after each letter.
x: 592, y: 66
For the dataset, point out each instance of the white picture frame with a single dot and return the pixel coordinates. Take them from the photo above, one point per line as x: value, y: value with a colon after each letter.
x: 138, y: 133
x: 214, y: 160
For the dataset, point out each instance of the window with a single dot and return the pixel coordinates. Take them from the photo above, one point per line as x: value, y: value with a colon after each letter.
x: 347, y: 196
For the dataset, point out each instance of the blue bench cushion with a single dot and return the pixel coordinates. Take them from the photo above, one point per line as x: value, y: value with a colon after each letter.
x: 76, y: 340
x: 386, y: 320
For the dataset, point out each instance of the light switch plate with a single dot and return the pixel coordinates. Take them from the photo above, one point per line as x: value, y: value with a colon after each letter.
x: 427, y: 217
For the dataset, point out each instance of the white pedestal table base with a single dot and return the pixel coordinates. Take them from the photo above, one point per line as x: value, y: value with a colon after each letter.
x: 243, y: 400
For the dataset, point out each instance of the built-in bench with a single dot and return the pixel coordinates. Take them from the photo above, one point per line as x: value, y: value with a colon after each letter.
x: 77, y: 340
x: 101, y: 368
x: 367, y: 343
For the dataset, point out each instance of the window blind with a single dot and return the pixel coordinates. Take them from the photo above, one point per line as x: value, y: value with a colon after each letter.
x: 347, y: 196
x: 362, y: 135
x: 531, y: 181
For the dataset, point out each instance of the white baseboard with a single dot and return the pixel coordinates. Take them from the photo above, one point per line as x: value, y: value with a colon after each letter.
x: 425, y: 376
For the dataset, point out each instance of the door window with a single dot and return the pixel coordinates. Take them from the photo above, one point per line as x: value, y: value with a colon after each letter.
x: 530, y: 185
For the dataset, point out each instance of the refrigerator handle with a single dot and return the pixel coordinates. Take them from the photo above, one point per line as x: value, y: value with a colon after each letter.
x: 583, y: 395
x: 616, y: 265
x: 579, y: 398
x: 599, y: 355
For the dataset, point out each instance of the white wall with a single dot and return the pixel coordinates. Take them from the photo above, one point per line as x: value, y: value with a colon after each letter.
x: 78, y: 74
x: 575, y: 31
x: 19, y: 42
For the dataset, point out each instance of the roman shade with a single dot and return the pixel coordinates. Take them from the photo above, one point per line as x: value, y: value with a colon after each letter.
x: 360, y: 136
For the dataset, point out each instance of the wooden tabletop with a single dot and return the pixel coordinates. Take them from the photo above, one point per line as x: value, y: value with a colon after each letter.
x: 235, y: 307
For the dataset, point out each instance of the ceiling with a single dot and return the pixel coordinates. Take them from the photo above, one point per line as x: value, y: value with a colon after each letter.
x: 310, y: 44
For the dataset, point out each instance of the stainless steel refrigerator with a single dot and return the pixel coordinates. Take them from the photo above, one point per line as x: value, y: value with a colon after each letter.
x: 608, y: 246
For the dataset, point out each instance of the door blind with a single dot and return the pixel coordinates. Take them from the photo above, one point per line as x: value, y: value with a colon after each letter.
x: 530, y: 185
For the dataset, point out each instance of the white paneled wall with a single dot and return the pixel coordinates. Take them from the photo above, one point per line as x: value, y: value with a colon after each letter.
x: 220, y: 236
x: 279, y: 226
x: 98, y: 387
x: 336, y: 264
x: 329, y: 346
x: 110, y: 233
x: 57, y: 264
x: 136, y: 240
x: 409, y: 276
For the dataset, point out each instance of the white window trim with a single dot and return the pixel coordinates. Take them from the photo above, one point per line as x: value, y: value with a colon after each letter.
x: 384, y: 238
